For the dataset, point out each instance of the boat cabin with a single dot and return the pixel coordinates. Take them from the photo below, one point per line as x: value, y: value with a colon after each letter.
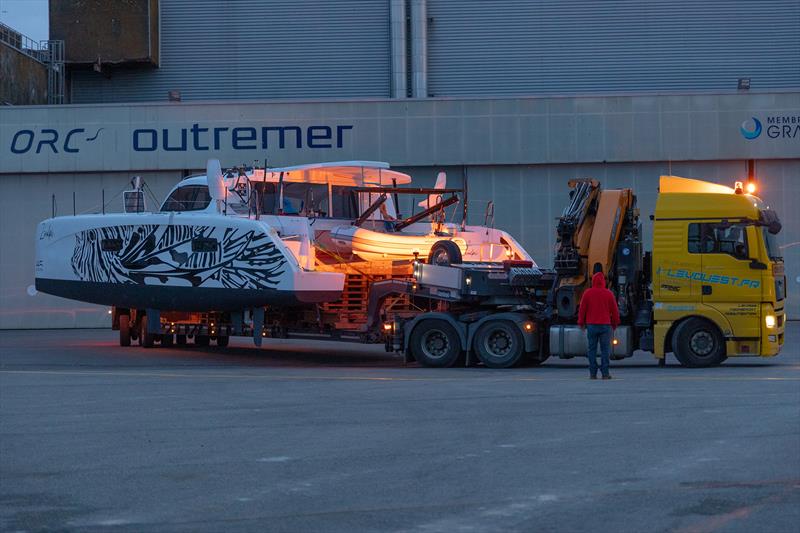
x: 323, y: 190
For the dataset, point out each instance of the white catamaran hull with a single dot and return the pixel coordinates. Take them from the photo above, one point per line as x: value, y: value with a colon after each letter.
x: 174, y: 261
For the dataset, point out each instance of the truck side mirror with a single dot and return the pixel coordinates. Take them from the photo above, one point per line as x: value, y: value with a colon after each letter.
x: 755, y: 264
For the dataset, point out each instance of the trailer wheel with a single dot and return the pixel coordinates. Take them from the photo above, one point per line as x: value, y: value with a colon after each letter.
x: 180, y: 340
x: 444, y: 253
x: 202, y: 340
x: 435, y: 343
x: 222, y: 341
x: 167, y: 339
x: 147, y: 340
x: 698, y: 343
x: 124, y: 330
x: 499, y: 344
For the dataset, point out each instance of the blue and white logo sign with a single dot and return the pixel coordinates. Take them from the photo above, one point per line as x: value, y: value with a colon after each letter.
x: 751, y: 128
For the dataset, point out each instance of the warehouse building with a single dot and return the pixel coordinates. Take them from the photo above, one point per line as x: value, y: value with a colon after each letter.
x: 519, y: 96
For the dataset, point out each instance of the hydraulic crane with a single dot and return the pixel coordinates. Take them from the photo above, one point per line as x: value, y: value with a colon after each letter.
x: 599, y: 230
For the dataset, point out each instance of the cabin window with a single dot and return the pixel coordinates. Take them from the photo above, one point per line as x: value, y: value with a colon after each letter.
x: 303, y: 199
x: 111, y: 245
x: 204, y: 244
x: 188, y: 198
x: 266, y: 194
x: 714, y: 238
x: 344, y: 202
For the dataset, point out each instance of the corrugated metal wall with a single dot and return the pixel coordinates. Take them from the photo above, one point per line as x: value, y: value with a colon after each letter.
x: 244, y: 49
x: 504, y: 47
x: 240, y: 49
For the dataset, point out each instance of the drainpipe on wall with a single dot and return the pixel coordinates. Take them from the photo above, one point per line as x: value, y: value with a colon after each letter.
x: 419, y: 49
x: 399, y: 59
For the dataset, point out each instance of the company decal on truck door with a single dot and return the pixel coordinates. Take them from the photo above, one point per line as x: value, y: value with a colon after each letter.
x: 238, y: 259
x: 732, y: 281
x: 743, y: 310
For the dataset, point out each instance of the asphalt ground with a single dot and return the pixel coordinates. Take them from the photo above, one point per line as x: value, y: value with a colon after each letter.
x: 322, y: 436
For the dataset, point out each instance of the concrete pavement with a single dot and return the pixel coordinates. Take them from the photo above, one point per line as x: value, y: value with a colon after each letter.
x: 322, y: 436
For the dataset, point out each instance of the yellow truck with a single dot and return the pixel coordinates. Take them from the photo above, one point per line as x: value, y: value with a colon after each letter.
x: 719, y: 287
x: 713, y: 287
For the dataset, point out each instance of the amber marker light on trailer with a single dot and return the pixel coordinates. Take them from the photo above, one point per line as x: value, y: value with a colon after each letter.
x: 615, y: 342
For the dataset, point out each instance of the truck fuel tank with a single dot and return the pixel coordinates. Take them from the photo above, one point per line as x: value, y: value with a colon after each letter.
x: 567, y: 340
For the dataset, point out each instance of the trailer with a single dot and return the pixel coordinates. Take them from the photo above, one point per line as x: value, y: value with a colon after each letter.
x: 713, y: 287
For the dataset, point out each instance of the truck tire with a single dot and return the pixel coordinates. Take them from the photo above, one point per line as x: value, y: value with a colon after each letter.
x: 222, y: 341
x: 180, y: 340
x: 167, y: 339
x: 147, y: 340
x: 698, y: 343
x: 435, y: 343
x: 499, y: 344
x: 124, y: 330
x: 444, y: 253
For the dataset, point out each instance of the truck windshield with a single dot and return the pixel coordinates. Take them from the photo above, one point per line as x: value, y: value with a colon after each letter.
x: 771, y: 242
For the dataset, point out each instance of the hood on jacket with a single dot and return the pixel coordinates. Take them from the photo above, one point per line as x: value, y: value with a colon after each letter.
x: 598, y: 281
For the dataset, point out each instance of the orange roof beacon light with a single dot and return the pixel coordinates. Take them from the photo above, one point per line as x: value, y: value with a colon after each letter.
x: 751, y: 187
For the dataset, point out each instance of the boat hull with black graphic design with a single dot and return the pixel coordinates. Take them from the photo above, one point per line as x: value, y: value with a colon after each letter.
x: 176, y: 261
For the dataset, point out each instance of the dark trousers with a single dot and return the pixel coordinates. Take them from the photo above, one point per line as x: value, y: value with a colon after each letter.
x: 598, y: 334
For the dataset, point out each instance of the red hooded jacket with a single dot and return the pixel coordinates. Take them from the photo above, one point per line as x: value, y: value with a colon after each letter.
x: 598, y: 305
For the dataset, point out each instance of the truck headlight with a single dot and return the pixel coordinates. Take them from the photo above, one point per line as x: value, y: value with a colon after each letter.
x: 769, y: 320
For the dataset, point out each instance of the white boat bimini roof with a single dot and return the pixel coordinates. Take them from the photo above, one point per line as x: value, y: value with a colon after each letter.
x: 346, y: 173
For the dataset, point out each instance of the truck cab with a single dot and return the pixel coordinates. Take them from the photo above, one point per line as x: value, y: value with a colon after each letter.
x: 718, y: 277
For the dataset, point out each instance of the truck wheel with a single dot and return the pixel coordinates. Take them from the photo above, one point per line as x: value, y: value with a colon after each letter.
x: 698, y: 343
x: 435, y: 343
x: 202, y: 340
x: 499, y: 344
x: 145, y: 339
x: 167, y: 339
x: 222, y: 341
x: 180, y: 340
x: 124, y: 330
x: 444, y: 253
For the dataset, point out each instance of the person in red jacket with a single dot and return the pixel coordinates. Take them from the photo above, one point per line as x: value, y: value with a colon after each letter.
x: 598, y: 313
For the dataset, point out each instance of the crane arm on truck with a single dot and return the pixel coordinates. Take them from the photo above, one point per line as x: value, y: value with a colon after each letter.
x: 589, y: 232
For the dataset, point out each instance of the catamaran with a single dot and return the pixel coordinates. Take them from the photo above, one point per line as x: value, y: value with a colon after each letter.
x: 246, y: 238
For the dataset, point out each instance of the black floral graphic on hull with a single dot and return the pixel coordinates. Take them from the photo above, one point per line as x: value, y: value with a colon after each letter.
x: 238, y: 259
